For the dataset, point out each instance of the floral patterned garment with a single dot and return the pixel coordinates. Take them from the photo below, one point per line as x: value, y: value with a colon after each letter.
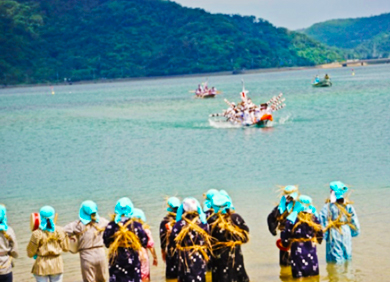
x: 171, y: 256
x: 304, y: 260
x: 191, y: 263
x: 228, y: 263
x: 126, y: 267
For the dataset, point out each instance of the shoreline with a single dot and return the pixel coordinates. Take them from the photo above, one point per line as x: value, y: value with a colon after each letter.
x: 357, y: 63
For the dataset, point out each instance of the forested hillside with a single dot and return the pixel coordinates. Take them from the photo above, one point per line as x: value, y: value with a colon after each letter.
x: 47, y: 40
x: 368, y: 37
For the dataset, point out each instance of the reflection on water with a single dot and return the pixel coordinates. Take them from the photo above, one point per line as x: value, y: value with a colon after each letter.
x: 286, y: 276
x: 340, y: 272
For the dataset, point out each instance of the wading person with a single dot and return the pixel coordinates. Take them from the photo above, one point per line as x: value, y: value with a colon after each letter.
x: 277, y: 218
x: 89, y: 230
x: 192, y: 241
x: 8, y: 247
x: 139, y: 216
x: 229, y: 231
x: 340, y: 223
x: 46, y: 245
x: 124, y: 238
x: 302, y: 233
x: 166, y: 225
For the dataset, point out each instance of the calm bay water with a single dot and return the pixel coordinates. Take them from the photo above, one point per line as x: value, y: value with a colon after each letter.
x: 151, y: 139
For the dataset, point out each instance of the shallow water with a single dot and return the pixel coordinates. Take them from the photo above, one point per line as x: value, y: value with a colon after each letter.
x: 152, y: 139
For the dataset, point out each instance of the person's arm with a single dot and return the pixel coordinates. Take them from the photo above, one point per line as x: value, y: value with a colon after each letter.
x: 64, y: 240
x: 137, y: 228
x: 240, y: 223
x: 319, y: 234
x: 33, y: 245
x: 108, y: 234
x: 13, y: 243
x: 153, y: 252
x: 272, y: 221
x: 324, y: 221
x: 355, y: 230
x: 69, y: 229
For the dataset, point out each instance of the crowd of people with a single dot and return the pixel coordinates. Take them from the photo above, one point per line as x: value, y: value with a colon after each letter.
x: 204, y: 90
x: 248, y: 113
x: 194, y: 239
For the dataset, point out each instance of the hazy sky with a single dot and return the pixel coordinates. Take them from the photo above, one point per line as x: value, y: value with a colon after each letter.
x: 293, y: 14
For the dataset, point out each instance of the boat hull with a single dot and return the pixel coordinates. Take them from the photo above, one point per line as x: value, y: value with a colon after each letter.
x: 323, y: 83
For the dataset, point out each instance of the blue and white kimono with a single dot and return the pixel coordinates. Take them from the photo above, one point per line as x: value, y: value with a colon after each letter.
x: 341, y: 224
x: 339, y: 242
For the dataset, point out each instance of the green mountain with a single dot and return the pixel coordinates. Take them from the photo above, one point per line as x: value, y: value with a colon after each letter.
x: 368, y: 37
x: 47, y: 40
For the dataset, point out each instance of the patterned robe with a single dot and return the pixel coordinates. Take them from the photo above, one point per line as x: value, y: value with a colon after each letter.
x: 339, y: 238
x: 276, y: 221
x: 126, y: 266
x: 228, y: 262
x: 304, y: 260
x: 191, y: 262
x: 171, y: 256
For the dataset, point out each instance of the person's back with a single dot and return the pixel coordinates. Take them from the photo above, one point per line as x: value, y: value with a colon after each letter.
x: 340, y: 223
x: 89, y: 230
x: 46, y: 245
x: 8, y: 247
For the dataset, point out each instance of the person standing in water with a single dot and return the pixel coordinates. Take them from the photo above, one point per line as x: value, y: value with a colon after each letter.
x: 89, y: 231
x: 139, y: 216
x: 229, y: 231
x: 340, y: 223
x: 302, y: 233
x: 124, y: 238
x: 190, y: 237
x: 46, y: 245
x: 166, y: 225
x: 8, y: 247
x: 277, y: 218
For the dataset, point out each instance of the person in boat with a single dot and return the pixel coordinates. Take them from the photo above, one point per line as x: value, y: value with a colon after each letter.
x: 340, y: 223
x: 190, y: 236
x: 124, y: 239
x: 213, y: 90
x: 46, y: 245
x: 89, y: 229
x: 199, y: 90
x: 229, y: 232
x: 301, y: 234
x: 166, y: 225
x: 316, y: 79
x: 139, y: 215
x: 326, y: 77
x: 276, y: 220
x: 8, y: 247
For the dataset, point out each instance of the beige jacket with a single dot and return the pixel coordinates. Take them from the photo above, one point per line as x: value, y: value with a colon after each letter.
x: 48, y: 248
x: 8, y: 250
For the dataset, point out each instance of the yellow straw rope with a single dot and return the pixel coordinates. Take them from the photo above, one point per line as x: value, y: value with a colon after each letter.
x: 337, y: 223
x: 192, y: 226
x: 124, y: 238
x: 308, y: 219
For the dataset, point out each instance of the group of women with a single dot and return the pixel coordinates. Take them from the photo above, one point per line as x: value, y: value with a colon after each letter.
x: 302, y: 228
x: 194, y: 239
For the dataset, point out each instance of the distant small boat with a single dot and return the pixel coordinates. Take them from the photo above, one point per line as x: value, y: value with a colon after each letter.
x: 322, y: 83
x: 206, y: 95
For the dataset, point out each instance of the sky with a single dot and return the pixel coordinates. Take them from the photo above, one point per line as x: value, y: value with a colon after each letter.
x: 293, y: 14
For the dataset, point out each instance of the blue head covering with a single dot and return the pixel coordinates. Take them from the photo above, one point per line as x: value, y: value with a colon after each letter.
x: 304, y: 204
x: 3, y: 218
x: 173, y: 204
x: 289, y: 190
x: 124, y: 207
x: 209, y: 195
x: 138, y: 213
x: 220, y: 203
x: 339, y: 189
x: 223, y: 192
x: 47, y: 213
x: 88, y: 208
x: 191, y: 205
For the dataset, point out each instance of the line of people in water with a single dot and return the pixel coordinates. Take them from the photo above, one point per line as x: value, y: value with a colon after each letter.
x: 202, y: 91
x: 193, y: 239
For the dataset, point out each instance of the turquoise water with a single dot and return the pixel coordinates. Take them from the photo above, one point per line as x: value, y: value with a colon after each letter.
x: 152, y: 139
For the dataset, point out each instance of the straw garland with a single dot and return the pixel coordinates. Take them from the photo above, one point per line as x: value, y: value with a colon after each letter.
x: 338, y: 223
x: 224, y: 222
x: 307, y: 218
x: 191, y: 226
x: 124, y: 238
